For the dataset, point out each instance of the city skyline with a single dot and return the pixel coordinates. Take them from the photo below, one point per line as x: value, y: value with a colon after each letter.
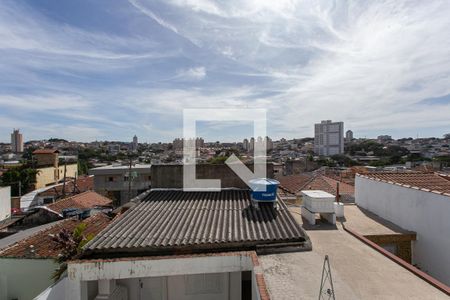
x: 100, y: 70
x: 208, y: 140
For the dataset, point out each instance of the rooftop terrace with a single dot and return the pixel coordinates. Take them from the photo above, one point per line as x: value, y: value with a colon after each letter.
x: 359, y: 272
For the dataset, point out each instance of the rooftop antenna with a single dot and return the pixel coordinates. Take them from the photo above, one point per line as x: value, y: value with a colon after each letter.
x: 326, y: 284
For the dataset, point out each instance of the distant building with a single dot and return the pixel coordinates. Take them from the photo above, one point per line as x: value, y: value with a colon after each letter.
x: 179, y: 143
x: 268, y: 143
x: 134, y: 144
x: 114, y: 181
x: 384, y: 138
x: 349, y: 135
x: 245, y: 144
x: 50, y: 171
x: 251, y: 145
x: 329, y: 138
x: 16, y: 141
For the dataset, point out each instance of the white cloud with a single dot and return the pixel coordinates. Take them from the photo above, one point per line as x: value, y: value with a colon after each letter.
x: 352, y: 61
x: 197, y: 73
x: 367, y: 63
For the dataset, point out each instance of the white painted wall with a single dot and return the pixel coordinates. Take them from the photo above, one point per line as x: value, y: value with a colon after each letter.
x: 166, y: 279
x: 225, y: 286
x: 426, y: 213
x: 24, y: 279
x: 5, y: 202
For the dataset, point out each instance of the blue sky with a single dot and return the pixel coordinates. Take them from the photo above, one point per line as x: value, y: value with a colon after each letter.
x: 94, y: 70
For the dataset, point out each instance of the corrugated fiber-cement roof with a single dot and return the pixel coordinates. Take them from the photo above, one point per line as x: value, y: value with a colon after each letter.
x: 169, y: 221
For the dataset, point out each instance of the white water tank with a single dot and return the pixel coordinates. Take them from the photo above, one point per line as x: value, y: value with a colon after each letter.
x: 318, y: 201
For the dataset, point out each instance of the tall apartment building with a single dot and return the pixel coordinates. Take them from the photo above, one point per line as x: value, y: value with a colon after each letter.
x: 245, y: 144
x: 178, y: 143
x: 134, y: 144
x: 16, y: 141
x: 349, y: 135
x: 329, y: 138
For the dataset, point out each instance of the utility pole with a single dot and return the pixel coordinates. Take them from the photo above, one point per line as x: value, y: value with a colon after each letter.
x: 129, y: 180
x: 64, y: 180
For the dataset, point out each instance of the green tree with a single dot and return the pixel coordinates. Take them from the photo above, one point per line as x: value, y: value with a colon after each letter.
x: 23, y: 176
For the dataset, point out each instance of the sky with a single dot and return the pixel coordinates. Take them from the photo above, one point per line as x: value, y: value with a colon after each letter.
x: 106, y: 70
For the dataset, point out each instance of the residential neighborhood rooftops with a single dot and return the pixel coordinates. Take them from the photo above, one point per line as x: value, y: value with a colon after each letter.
x: 297, y: 183
x: 88, y: 199
x: 120, y: 169
x: 45, y: 151
x: 429, y: 182
x: 116, y: 167
x: 293, y: 183
x: 82, y: 184
x: 168, y: 221
x: 41, y: 245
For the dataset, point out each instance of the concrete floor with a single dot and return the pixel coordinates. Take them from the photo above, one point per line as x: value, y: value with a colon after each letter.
x: 359, y: 272
x: 367, y: 223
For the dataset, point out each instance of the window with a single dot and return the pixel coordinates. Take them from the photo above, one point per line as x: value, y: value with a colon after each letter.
x: 110, y: 179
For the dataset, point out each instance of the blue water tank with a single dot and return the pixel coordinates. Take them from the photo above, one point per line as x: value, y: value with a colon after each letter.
x: 264, y: 189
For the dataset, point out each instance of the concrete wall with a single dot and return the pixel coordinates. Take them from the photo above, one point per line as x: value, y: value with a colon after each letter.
x: 201, y: 277
x: 425, y: 213
x: 115, y: 186
x: 5, y: 202
x: 24, y: 279
x: 51, y: 175
x: 171, y: 176
x: 46, y: 159
x: 185, y: 287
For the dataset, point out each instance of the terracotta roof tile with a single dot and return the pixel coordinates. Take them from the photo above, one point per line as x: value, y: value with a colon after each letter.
x: 41, y: 245
x: 293, y: 183
x: 45, y: 151
x: 296, y: 183
x: 87, y: 199
x: 344, y: 188
x: 83, y: 184
x: 424, y: 181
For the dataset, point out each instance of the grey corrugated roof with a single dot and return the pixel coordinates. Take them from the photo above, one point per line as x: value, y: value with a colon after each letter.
x: 174, y: 220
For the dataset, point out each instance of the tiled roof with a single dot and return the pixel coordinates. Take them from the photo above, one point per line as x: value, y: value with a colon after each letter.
x: 83, y: 183
x: 293, y: 183
x: 41, y: 245
x: 168, y: 221
x: 429, y: 182
x: 45, y: 151
x: 344, y: 188
x: 445, y: 176
x: 87, y: 199
x: 296, y: 183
